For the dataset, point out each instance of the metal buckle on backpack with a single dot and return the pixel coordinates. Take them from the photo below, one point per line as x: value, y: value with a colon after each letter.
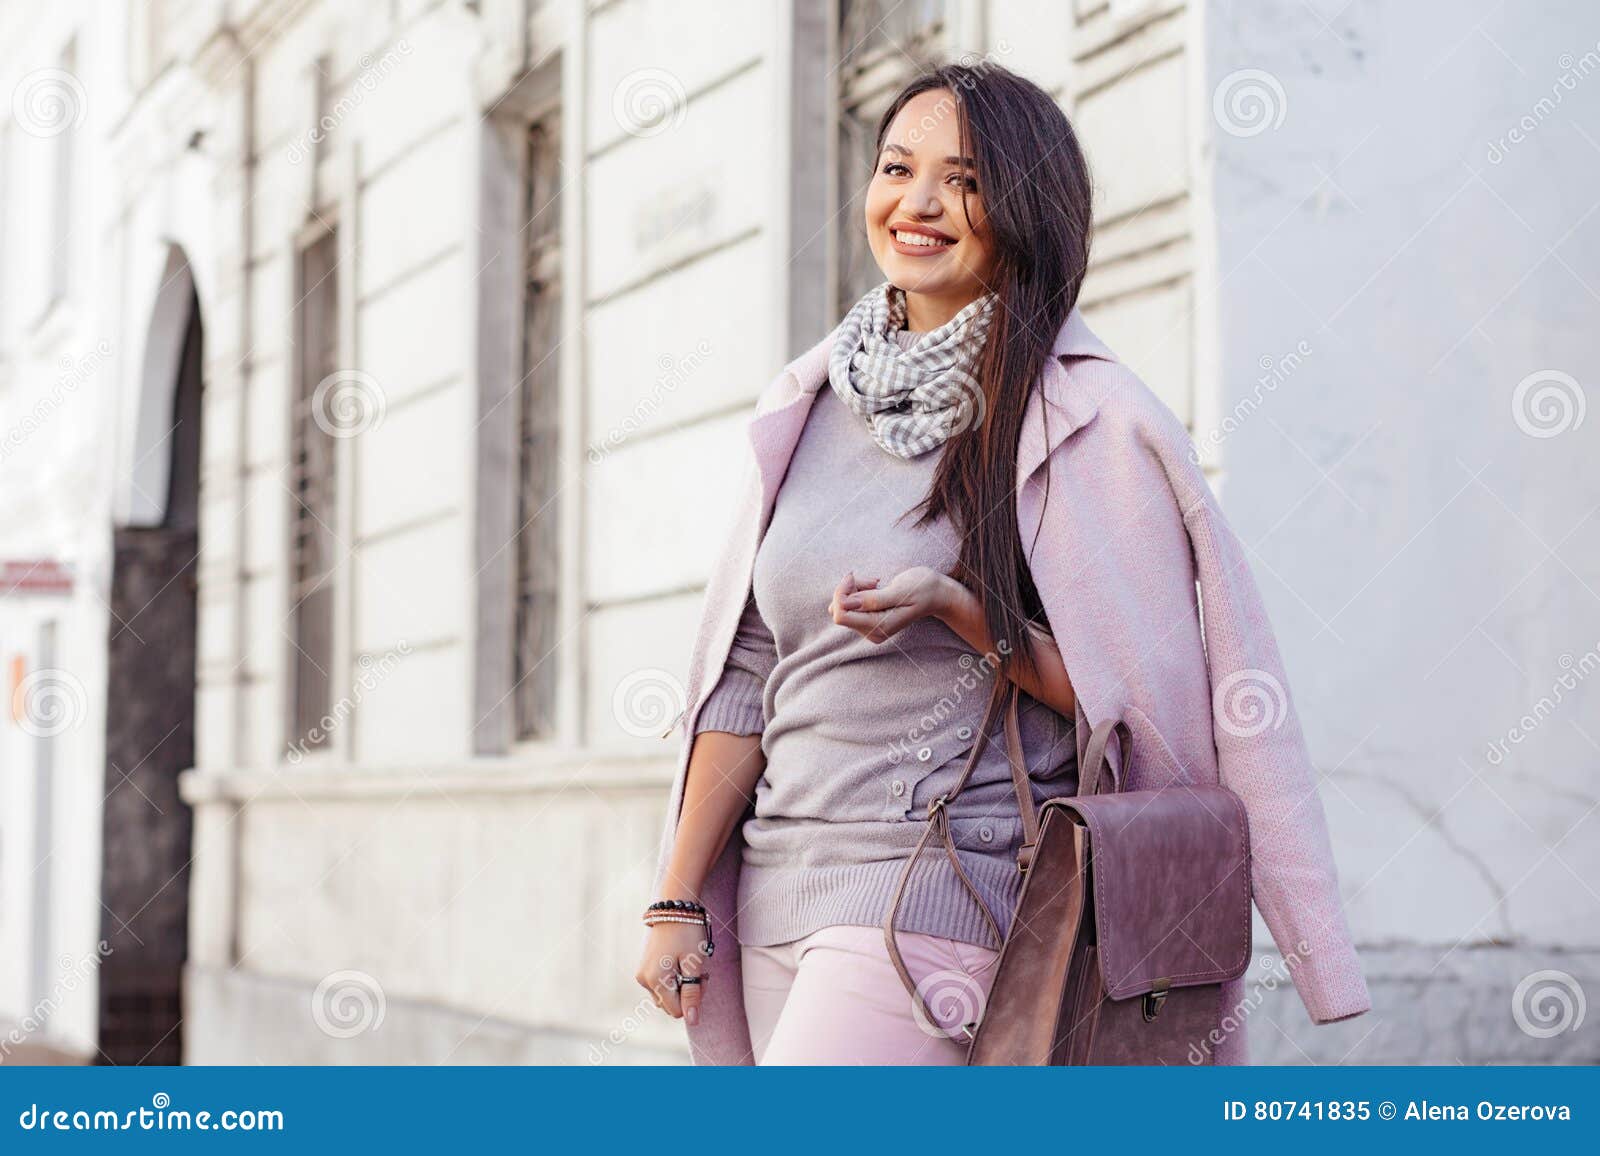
x: 1025, y: 857
x: 1154, y: 998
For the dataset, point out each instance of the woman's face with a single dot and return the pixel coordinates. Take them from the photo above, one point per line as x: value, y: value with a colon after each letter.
x: 917, y: 225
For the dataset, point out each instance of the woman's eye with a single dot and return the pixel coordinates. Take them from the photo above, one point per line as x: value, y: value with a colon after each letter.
x: 963, y: 180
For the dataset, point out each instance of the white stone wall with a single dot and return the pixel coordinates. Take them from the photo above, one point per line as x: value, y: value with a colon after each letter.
x: 59, y: 360
x: 1392, y: 267
x: 491, y: 889
x: 1129, y: 94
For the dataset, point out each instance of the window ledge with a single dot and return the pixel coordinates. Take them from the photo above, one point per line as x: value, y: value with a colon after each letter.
x: 518, y: 774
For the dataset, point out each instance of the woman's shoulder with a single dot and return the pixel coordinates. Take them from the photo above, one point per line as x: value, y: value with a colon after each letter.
x: 1106, y: 388
x: 1118, y: 412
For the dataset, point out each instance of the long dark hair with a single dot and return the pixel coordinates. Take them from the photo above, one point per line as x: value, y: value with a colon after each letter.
x: 1034, y: 182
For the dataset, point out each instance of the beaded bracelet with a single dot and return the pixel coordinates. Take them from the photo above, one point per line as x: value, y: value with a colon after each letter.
x: 676, y: 905
x: 680, y: 911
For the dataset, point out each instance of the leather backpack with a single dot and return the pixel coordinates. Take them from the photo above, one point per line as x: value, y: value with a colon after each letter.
x: 1134, y: 910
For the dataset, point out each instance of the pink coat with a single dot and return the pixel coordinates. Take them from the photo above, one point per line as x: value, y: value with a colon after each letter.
x: 1133, y: 527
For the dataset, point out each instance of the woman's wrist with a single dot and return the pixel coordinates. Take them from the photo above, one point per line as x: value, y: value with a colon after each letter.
x: 954, y: 605
x: 675, y: 888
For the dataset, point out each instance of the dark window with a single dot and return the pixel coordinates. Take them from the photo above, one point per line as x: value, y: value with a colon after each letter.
x: 538, y: 422
x: 313, y: 484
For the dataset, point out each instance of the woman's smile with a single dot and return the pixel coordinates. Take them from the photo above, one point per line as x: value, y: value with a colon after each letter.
x: 919, y: 241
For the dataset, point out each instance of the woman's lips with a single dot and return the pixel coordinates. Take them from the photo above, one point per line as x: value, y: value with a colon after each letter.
x: 912, y: 249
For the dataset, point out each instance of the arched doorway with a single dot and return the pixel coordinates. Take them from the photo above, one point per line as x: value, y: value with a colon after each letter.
x: 150, y: 695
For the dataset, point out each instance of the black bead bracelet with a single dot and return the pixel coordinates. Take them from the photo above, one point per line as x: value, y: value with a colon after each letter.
x: 676, y: 905
x: 681, y: 911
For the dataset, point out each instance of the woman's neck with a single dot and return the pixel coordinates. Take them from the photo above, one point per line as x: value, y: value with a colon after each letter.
x: 925, y: 312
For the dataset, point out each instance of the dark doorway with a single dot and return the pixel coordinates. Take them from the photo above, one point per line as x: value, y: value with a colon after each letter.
x: 149, y: 739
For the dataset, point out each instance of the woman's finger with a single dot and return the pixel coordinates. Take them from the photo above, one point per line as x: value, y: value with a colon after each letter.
x: 666, y: 989
x: 850, y: 584
x: 690, y: 993
x: 874, y: 597
x: 876, y: 626
x: 846, y: 585
x: 891, y: 623
x: 860, y: 621
x: 868, y: 598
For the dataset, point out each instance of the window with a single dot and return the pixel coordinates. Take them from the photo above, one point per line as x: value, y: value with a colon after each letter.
x: 158, y: 26
x: 313, y: 484
x: 59, y: 263
x: 5, y: 223
x: 882, y: 44
x: 538, y: 427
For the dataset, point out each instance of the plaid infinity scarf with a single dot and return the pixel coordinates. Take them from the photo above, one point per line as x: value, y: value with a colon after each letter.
x: 913, y: 399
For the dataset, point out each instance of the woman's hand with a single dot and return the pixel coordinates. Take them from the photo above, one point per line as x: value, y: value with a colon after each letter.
x: 670, y: 948
x: 878, y: 611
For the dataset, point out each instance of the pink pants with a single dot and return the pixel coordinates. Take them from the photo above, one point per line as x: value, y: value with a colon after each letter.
x: 834, y: 997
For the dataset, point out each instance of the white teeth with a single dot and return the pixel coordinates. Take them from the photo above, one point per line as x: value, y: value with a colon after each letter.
x: 918, y: 239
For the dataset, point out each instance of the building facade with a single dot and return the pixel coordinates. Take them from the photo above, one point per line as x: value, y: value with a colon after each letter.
x: 372, y: 372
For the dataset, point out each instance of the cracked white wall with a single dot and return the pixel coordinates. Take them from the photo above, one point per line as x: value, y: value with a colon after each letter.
x: 1425, y: 534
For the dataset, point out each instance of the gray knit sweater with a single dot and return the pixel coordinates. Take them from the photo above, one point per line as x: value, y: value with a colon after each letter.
x: 859, y: 736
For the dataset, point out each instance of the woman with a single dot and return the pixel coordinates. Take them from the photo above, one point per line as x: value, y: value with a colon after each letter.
x: 959, y: 483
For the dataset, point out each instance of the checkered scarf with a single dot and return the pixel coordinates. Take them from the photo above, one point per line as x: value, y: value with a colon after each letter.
x: 913, y: 399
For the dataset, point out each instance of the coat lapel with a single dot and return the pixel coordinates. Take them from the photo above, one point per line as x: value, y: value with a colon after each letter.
x: 781, y: 413
x: 1070, y: 408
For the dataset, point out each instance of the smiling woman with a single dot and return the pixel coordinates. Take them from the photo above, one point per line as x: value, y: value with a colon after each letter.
x: 877, y: 591
x: 863, y: 623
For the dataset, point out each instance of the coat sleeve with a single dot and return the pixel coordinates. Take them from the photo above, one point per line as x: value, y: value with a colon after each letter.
x: 1263, y: 758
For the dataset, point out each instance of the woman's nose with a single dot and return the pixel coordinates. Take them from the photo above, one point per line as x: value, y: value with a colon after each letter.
x: 924, y: 199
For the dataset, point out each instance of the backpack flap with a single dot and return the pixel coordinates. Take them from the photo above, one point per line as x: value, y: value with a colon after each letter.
x: 1170, y: 872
